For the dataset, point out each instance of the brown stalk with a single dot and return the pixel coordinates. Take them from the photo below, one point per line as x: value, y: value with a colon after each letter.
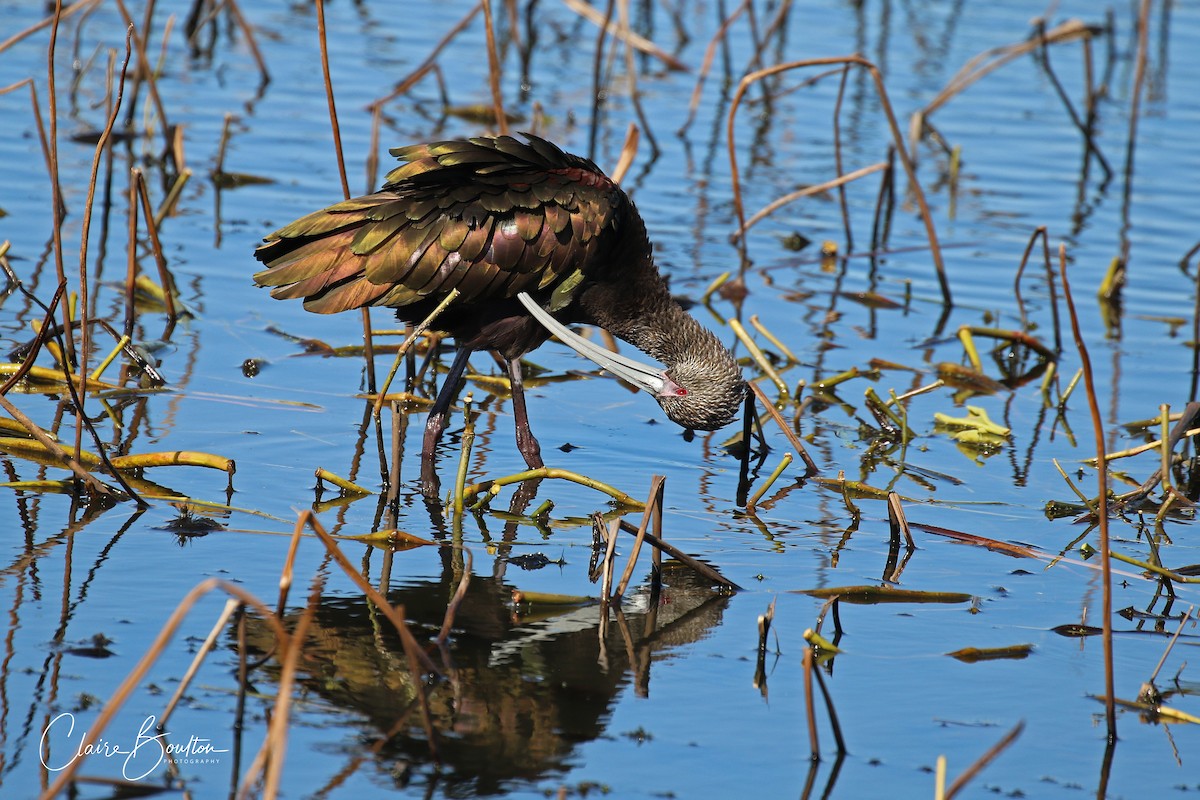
x: 368, y: 343
x: 635, y: 96
x: 898, y: 521
x: 748, y: 80
x: 418, y: 660
x: 1139, y: 79
x: 653, y: 513
x: 287, y: 574
x: 833, y: 183
x: 275, y: 746
x: 231, y: 605
x: 60, y: 14
x: 115, y: 701
x: 1039, y: 231
x: 809, y: 464
x: 425, y: 66
x: 837, y: 156
x: 810, y: 711
x: 43, y: 333
x: 456, y: 601
x: 706, y: 64
x: 979, y: 66
x: 55, y: 183
x: 85, y: 327
x: 985, y: 759
x: 166, y: 280
x: 251, y: 41
x: 494, y: 69
x: 131, y: 262
x: 628, y: 153
x: 1101, y: 500
x: 1085, y: 129
x: 606, y: 566
x: 146, y: 69
x: 630, y: 38
x: 674, y: 552
x: 597, y: 73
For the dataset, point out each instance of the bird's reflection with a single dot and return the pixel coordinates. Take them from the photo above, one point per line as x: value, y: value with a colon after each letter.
x: 526, y: 686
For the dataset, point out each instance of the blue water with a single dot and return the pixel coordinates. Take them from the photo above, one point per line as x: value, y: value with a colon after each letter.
x: 537, y: 705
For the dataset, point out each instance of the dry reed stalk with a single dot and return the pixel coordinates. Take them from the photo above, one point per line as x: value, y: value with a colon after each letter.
x: 985, y: 759
x: 810, y: 711
x: 640, y: 43
x: 1101, y: 500
x: 40, y: 338
x: 1040, y: 231
x: 653, y: 513
x: 631, y: 72
x: 80, y: 394
x: 231, y: 606
x: 287, y: 573
x: 55, y: 184
x: 275, y: 746
x: 251, y: 41
x: 456, y: 601
x: 837, y: 157
x: 628, y: 153
x: 494, y: 69
x: 407, y: 344
x: 145, y: 70
x: 809, y: 464
x: 597, y: 72
x: 131, y: 268
x: 1139, y: 79
x: 979, y: 66
x: 706, y: 64
x: 335, y: 129
x: 165, y: 278
x: 909, y: 168
x: 898, y: 521
x: 121, y: 695
x: 606, y: 566
x: 308, y: 519
x: 406, y: 83
x: 1085, y: 129
x: 53, y: 19
x: 699, y: 567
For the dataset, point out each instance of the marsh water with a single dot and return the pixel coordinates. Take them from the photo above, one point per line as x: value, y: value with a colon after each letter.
x: 666, y: 699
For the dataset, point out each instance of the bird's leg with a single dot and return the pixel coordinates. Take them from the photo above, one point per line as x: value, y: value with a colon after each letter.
x: 438, y: 415
x: 527, y: 443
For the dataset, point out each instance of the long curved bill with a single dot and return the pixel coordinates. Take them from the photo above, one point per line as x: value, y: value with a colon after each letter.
x: 646, y: 377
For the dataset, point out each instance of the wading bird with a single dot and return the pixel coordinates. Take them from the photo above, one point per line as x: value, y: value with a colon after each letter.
x: 532, y: 237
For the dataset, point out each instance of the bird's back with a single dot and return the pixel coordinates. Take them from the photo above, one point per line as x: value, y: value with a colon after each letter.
x: 491, y: 217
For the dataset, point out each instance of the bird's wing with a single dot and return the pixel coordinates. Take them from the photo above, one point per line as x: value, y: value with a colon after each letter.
x: 489, y: 216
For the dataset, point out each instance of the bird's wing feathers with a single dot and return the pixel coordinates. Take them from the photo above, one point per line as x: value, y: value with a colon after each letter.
x: 485, y: 216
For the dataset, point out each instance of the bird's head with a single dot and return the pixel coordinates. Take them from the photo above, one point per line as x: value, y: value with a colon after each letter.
x: 702, y: 394
x: 702, y: 391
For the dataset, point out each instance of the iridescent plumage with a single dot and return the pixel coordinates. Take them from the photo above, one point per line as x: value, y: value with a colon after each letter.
x: 495, y: 218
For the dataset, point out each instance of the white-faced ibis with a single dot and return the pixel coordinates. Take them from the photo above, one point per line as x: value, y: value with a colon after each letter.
x: 532, y: 237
